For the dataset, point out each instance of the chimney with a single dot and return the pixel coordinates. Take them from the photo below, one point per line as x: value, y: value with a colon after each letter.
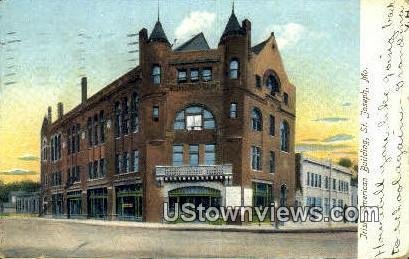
x: 83, y: 90
x: 49, y: 115
x: 60, y: 109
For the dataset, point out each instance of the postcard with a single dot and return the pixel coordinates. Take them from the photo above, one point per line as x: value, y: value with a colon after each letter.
x: 184, y: 129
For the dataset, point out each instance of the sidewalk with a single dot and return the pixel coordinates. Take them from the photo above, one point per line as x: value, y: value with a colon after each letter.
x: 252, y: 228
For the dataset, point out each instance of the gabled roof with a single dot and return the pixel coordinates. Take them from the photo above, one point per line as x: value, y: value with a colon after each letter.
x: 158, y: 34
x: 256, y: 49
x: 198, y: 42
x: 232, y: 27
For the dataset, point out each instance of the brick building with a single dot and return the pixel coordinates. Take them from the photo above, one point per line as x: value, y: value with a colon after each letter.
x: 189, y: 124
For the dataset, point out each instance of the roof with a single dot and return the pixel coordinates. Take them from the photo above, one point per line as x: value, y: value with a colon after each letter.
x: 198, y: 42
x: 327, y: 164
x: 158, y: 34
x: 232, y: 27
x: 256, y: 49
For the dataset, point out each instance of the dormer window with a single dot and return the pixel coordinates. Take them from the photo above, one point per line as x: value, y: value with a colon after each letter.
x: 156, y: 74
x: 182, y: 75
x: 194, y: 75
x: 207, y: 74
x: 272, y: 84
x: 234, y: 69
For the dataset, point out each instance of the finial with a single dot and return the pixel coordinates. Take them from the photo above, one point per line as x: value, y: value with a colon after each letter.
x: 158, y: 11
x: 232, y: 9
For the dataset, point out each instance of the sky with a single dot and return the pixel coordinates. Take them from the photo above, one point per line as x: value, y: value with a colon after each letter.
x: 46, y: 46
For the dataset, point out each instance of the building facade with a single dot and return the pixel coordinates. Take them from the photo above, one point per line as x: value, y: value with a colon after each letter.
x: 27, y: 202
x: 322, y: 184
x: 189, y: 124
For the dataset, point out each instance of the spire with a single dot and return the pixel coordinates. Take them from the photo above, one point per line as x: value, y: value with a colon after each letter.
x: 158, y: 11
x: 233, y: 26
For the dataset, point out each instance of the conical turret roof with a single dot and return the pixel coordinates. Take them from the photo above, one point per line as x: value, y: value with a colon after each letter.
x: 158, y: 34
x: 232, y: 27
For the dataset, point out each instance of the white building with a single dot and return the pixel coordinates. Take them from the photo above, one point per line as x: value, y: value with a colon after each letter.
x: 322, y: 183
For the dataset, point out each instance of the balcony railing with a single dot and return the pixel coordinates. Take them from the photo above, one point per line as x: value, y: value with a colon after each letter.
x: 194, y: 173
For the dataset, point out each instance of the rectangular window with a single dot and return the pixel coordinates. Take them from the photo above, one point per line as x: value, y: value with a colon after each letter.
x: 256, y: 158
x: 194, y: 75
x: 285, y: 98
x: 193, y: 155
x: 102, y: 168
x: 125, y: 162
x: 96, y: 169
x: 272, y: 162
x: 95, y: 129
x: 117, y: 163
x: 177, y: 155
x: 125, y: 116
x: 326, y: 182
x: 194, y: 122
x: 155, y: 113
x: 90, y: 170
x: 182, y: 75
x: 135, y: 161
x: 308, y: 179
x: 326, y: 206
x: 258, y: 81
x: 334, y: 184
x: 233, y: 110
x: 319, y: 181
x: 272, y: 125
x: 210, y: 154
x: 101, y: 127
x: 207, y: 74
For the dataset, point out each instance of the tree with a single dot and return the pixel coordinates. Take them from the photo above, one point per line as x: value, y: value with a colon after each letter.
x: 346, y: 162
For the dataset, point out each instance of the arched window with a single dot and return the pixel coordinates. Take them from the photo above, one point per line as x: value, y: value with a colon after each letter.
x: 285, y: 136
x: 256, y: 119
x: 194, y: 118
x: 234, y: 69
x: 156, y: 74
x: 272, y: 83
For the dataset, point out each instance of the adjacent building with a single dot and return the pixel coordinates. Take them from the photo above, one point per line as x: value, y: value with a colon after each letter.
x: 322, y: 184
x: 191, y: 123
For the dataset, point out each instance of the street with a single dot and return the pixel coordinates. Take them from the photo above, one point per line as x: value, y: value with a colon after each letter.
x: 27, y: 237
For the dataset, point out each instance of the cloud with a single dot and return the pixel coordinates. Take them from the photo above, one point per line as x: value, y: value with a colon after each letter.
x: 311, y: 140
x: 28, y: 157
x: 287, y: 35
x: 346, y: 104
x: 18, y: 172
x: 331, y: 119
x: 338, y: 137
x: 194, y: 23
x: 304, y: 147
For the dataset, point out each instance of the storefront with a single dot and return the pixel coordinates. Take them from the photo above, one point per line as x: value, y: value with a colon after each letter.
x: 196, y: 195
x: 262, y: 194
x: 97, y: 203
x: 57, y: 204
x: 129, y: 202
x: 74, y: 204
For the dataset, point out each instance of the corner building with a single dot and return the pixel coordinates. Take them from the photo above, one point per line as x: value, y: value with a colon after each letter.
x: 189, y: 124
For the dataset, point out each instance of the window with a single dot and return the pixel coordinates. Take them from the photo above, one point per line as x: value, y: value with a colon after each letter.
x: 256, y: 120
x: 285, y: 136
x: 262, y: 195
x: 334, y: 184
x: 155, y: 113
x: 177, y: 155
x: 207, y: 74
x: 194, y: 118
x: 117, y: 163
x: 101, y: 127
x: 156, y: 74
x: 272, y: 162
x: 234, y: 69
x: 134, y: 112
x: 125, y: 162
x: 285, y: 98
x: 258, y: 81
x: 135, y: 161
x: 95, y: 129
x: 182, y: 75
x: 125, y: 116
x: 256, y: 158
x: 233, y: 110
x: 90, y: 170
x: 326, y: 206
x: 326, y: 182
x: 194, y: 75
x: 102, y: 168
x: 308, y: 179
x: 193, y: 155
x: 210, y: 154
x: 319, y: 181
x: 272, y: 125
x: 272, y: 84
x: 117, y: 119
x: 77, y: 137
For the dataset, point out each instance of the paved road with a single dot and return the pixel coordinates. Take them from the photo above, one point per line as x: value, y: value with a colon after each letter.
x: 35, y: 238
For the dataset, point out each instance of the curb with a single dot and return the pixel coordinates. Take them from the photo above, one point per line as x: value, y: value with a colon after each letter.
x: 199, y: 227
